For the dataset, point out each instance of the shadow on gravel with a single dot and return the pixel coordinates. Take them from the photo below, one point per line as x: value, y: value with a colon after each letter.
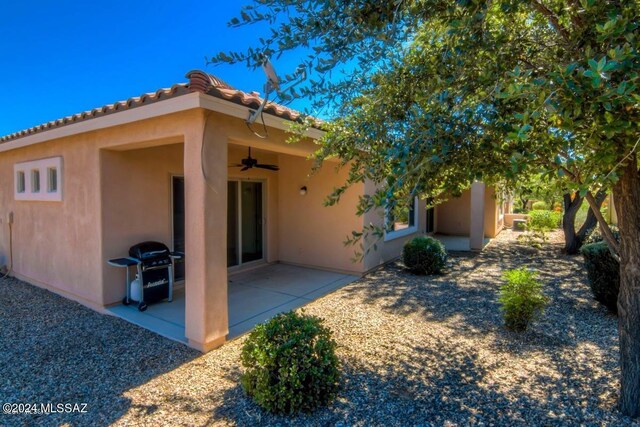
x: 405, y: 393
x: 466, y: 296
x: 57, y: 351
x: 427, y: 386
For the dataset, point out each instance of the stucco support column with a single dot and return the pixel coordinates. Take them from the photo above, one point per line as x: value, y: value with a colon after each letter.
x: 206, y: 315
x: 476, y: 225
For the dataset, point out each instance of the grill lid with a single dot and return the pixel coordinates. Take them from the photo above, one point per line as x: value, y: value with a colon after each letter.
x: 149, y: 250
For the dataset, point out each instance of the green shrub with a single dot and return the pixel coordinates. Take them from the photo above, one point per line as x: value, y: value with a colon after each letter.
x: 521, y: 298
x: 595, y: 235
x: 539, y: 206
x: 424, y: 255
x: 544, y: 220
x: 518, y: 225
x: 290, y: 364
x: 603, y: 273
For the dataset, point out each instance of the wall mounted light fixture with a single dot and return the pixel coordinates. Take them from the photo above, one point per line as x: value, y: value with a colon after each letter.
x: 303, y: 190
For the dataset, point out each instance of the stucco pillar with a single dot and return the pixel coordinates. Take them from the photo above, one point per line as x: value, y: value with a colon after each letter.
x: 206, y: 314
x: 476, y: 225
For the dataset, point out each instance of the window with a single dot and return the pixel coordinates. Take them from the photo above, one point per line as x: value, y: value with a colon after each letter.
x: 34, y: 177
x: 52, y: 180
x: 35, y: 181
x: 401, y: 220
x: 20, y: 182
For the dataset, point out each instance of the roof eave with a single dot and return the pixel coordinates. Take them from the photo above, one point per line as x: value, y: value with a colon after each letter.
x: 168, y: 106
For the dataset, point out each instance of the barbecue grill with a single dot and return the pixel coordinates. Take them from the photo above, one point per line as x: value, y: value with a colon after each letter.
x: 154, y: 264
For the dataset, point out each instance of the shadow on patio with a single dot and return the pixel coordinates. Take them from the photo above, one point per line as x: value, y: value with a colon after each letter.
x: 254, y: 296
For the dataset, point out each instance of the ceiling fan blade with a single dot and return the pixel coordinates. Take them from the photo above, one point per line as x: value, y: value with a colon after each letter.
x: 245, y: 168
x: 236, y: 165
x: 269, y: 167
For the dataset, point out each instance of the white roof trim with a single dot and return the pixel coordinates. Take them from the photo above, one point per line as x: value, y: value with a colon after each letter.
x: 242, y: 112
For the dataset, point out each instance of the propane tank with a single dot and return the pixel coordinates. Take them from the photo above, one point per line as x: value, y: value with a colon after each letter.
x: 136, y: 289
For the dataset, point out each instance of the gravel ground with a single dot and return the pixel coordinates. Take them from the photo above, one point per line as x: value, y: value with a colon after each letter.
x: 415, y: 351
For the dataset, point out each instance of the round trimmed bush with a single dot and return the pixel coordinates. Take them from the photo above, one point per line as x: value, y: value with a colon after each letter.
x: 290, y: 364
x: 603, y: 273
x: 424, y: 255
x: 539, y: 206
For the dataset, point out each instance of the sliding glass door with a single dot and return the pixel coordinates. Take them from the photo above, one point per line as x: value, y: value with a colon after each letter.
x: 178, y: 217
x: 245, y: 232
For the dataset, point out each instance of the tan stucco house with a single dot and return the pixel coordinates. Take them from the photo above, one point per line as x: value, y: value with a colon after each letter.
x: 80, y: 190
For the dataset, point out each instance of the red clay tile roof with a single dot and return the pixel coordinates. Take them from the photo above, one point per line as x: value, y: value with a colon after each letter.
x: 211, y: 85
x: 199, y: 81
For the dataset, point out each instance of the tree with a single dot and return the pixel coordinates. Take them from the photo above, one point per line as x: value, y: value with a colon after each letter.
x: 573, y: 239
x: 438, y: 93
x: 551, y: 188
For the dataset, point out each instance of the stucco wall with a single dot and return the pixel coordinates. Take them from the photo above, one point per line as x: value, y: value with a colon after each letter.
x: 387, y: 250
x: 56, y: 244
x: 453, y: 216
x: 493, y: 224
x: 309, y: 233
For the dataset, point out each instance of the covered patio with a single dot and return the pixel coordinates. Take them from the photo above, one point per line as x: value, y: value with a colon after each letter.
x: 254, y: 296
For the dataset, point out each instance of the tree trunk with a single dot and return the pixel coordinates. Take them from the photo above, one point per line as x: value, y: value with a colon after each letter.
x: 571, y: 207
x: 627, y: 196
x: 591, y: 222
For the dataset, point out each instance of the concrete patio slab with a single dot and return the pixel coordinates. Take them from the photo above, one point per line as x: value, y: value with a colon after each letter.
x: 254, y: 296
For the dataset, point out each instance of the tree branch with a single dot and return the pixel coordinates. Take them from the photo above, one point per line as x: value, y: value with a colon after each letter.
x: 591, y: 220
x: 553, y: 19
x: 575, y: 16
x: 611, y: 241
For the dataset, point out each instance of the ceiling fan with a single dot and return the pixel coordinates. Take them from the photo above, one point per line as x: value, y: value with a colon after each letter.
x: 249, y: 163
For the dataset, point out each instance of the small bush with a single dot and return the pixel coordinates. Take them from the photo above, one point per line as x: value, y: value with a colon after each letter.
x: 603, y: 273
x: 544, y: 220
x: 519, y: 225
x: 595, y: 235
x: 424, y: 255
x: 290, y: 364
x: 521, y: 298
x: 539, y: 206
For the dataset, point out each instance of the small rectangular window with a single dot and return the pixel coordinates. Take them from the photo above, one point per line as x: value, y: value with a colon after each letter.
x: 20, y: 183
x: 35, y: 181
x: 402, y: 217
x: 39, y: 180
x: 52, y: 180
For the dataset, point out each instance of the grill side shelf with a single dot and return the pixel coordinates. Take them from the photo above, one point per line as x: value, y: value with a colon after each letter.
x: 123, y: 262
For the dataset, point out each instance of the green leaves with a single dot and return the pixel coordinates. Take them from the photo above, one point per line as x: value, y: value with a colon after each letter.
x: 521, y: 298
x: 434, y: 93
x: 290, y: 364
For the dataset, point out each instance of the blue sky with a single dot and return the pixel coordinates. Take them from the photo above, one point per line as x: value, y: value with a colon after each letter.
x: 59, y: 58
